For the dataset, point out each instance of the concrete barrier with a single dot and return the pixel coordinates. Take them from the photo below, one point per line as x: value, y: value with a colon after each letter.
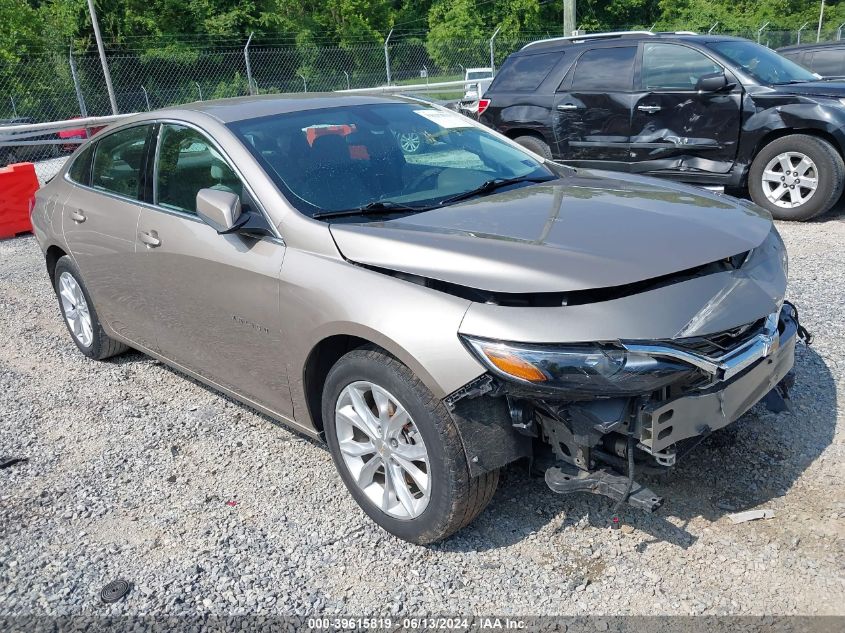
x: 18, y: 184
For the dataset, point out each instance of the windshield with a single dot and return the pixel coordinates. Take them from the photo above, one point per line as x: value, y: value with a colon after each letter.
x: 762, y: 63
x: 348, y: 157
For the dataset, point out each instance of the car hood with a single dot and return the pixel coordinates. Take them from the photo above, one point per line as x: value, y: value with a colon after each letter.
x: 586, y: 231
x: 813, y: 88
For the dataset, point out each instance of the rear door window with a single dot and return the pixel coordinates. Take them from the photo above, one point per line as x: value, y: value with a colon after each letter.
x: 118, y: 161
x: 525, y: 73
x: 605, y: 70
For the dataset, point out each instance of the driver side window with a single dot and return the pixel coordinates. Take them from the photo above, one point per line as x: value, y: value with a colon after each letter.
x: 187, y: 162
x: 673, y: 67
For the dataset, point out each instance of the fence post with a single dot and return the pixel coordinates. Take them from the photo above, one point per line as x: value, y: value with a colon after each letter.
x: 83, y: 111
x: 347, y: 80
x: 304, y: 81
x: 712, y: 28
x: 839, y: 32
x: 199, y: 89
x: 803, y: 26
x: 387, y: 56
x: 106, y: 73
x: 146, y: 97
x: 248, y: 66
x: 760, y: 31
x: 492, y: 56
x: 14, y: 109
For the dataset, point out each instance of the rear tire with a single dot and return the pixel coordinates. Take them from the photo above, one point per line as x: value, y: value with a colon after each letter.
x: 536, y: 145
x: 79, y: 313
x: 452, y: 498
x: 796, y: 177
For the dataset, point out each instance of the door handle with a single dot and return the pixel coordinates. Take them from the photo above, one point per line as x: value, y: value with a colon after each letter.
x: 150, y: 239
x: 651, y: 109
x: 567, y: 106
x: 77, y: 216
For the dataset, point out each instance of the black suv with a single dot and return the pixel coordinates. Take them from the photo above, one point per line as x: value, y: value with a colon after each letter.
x: 710, y: 110
x: 826, y: 60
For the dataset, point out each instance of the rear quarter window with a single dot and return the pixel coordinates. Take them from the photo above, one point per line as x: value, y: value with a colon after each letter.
x: 80, y: 169
x: 525, y: 73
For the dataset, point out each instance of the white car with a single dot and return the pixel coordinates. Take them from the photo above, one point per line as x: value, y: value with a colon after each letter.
x: 473, y: 92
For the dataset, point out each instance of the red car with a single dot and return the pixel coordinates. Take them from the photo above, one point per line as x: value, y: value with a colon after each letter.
x: 80, y: 133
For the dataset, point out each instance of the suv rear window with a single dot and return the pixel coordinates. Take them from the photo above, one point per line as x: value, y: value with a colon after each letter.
x: 605, y: 69
x: 525, y: 72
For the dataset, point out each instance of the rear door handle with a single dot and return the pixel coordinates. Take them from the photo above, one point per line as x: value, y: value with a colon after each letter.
x: 567, y: 106
x: 77, y: 216
x: 150, y: 239
x: 651, y: 109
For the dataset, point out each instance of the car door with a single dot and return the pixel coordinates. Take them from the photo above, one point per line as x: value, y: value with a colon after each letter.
x: 827, y: 62
x: 592, y: 110
x: 99, y: 219
x: 675, y: 126
x: 215, y: 298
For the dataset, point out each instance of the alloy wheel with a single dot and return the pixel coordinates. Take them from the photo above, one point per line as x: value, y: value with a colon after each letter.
x: 75, y: 309
x: 383, y: 450
x: 790, y: 179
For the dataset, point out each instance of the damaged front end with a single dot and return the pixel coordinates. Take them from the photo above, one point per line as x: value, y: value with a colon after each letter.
x: 611, y: 410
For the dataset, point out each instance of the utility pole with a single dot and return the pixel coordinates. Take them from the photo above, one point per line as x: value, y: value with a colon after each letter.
x: 821, y: 16
x: 102, y: 51
x: 569, y: 20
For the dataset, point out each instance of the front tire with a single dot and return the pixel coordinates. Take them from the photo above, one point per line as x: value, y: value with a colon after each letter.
x: 80, y: 315
x: 398, y: 450
x: 796, y: 177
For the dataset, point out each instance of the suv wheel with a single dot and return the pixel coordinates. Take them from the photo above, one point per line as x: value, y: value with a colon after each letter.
x: 398, y: 451
x: 80, y: 315
x: 536, y: 145
x: 797, y: 177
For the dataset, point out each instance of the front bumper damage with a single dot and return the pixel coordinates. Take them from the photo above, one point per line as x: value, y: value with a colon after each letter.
x: 599, y: 443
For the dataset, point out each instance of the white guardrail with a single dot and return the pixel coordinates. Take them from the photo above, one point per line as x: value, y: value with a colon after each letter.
x: 18, y: 134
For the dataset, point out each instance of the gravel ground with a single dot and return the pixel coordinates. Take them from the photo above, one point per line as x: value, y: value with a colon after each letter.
x: 206, y: 507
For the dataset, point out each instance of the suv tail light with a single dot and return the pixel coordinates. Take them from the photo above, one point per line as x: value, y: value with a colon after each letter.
x: 483, y: 104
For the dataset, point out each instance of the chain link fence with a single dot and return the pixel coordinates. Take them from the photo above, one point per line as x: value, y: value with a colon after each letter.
x: 55, y: 87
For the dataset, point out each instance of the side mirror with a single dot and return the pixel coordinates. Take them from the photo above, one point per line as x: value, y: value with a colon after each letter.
x: 712, y: 82
x: 221, y: 210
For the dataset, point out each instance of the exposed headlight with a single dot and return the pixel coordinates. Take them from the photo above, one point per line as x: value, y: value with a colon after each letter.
x: 589, y: 370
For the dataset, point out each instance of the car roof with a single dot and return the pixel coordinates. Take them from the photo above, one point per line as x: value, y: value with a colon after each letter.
x: 253, y: 107
x: 600, y: 39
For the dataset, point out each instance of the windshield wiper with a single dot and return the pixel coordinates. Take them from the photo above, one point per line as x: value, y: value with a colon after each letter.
x: 489, y: 186
x: 372, y: 208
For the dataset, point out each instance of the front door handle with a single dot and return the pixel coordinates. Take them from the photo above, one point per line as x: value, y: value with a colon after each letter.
x: 77, y: 216
x: 651, y: 109
x: 150, y: 239
x: 567, y: 106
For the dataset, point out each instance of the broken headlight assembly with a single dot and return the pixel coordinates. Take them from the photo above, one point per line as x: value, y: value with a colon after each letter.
x: 581, y: 370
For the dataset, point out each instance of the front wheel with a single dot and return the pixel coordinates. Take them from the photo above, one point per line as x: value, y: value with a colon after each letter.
x: 398, y: 451
x: 796, y: 177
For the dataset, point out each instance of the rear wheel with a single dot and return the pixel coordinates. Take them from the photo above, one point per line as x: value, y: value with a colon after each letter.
x: 79, y: 313
x: 796, y: 177
x: 398, y: 451
x: 536, y: 145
